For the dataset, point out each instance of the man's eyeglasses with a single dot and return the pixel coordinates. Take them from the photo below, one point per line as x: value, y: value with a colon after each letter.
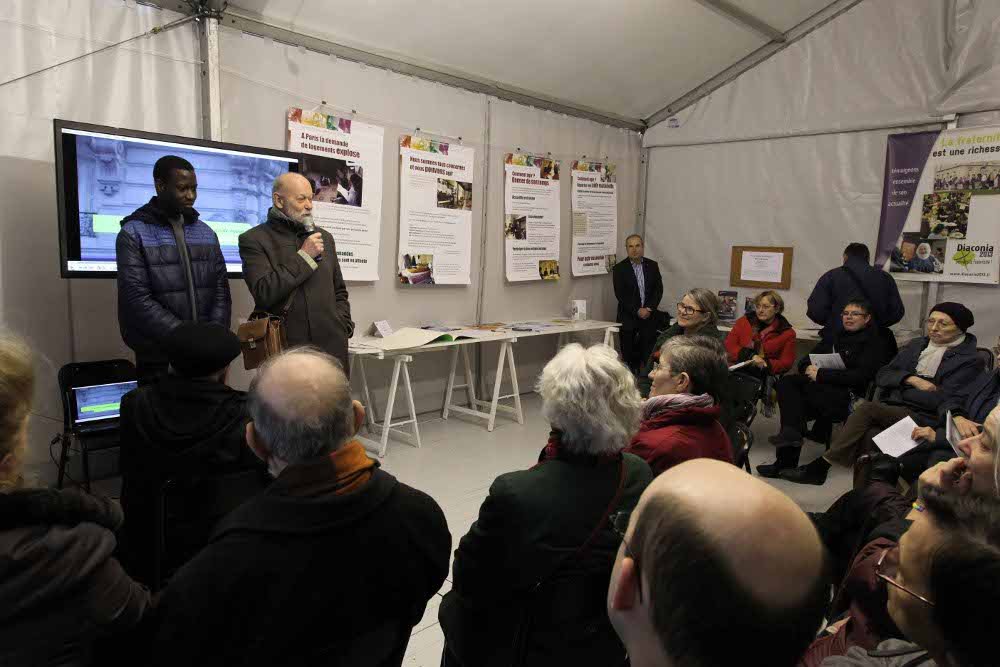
x: 687, y: 310
x: 619, y: 524
x: 853, y: 313
x: 887, y: 570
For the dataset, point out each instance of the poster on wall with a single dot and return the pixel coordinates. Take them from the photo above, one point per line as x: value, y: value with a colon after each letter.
x: 595, y: 218
x: 531, y: 217
x: 941, y: 206
x: 343, y: 160
x: 435, y: 212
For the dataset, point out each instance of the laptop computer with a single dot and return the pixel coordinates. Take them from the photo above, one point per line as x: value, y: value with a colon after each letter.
x: 96, y: 408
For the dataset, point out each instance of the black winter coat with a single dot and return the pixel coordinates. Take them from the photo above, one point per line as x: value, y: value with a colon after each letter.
x: 837, y: 286
x: 320, y: 314
x: 864, y: 353
x: 152, y: 280
x: 958, y: 369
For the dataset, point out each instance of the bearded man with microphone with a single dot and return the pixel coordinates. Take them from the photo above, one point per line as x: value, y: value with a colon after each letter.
x: 288, y: 256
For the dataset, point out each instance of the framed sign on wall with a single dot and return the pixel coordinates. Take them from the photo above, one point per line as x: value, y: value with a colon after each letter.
x: 761, y: 266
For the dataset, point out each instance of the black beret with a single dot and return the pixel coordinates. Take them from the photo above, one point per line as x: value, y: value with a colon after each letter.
x: 959, y: 314
x: 197, y: 349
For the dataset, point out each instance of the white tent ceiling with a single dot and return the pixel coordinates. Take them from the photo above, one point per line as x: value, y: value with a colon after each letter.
x: 627, y: 58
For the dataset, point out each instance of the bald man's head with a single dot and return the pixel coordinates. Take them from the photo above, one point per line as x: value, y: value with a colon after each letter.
x: 724, y: 556
x: 300, y: 404
x: 292, y: 194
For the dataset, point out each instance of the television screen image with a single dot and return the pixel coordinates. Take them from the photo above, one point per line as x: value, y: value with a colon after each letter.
x: 104, y: 174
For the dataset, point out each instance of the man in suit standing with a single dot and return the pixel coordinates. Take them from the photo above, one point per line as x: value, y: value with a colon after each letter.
x: 638, y: 288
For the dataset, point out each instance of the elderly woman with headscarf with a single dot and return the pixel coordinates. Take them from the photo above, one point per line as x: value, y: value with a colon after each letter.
x: 680, y: 419
x: 697, y: 313
x: 530, y: 577
x: 923, y: 260
x: 60, y: 586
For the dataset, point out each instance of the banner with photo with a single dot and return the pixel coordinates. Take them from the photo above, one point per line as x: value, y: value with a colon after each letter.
x: 531, y: 217
x: 595, y: 218
x: 343, y: 160
x: 435, y: 212
x: 941, y: 206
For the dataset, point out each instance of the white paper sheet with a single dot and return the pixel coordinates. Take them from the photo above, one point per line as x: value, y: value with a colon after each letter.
x: 531, y: 217
x: 831, y: 361
x: 761, y: 266
x: 741, y: 364
x: 896, y: 440
x: 594, y: 200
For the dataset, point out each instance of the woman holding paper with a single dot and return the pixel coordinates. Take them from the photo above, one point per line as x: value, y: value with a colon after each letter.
x: 926, y: 373
x: 764, y: 337
x: 825, y: 394
x: 697, y: 313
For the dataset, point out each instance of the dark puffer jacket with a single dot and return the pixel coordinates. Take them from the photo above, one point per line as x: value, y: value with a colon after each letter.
x: 152, y: 280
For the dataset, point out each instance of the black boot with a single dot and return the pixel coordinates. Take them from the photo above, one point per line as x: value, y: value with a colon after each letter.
x: 788, y: 459
x: 786, y: 436
x: 811, y: 473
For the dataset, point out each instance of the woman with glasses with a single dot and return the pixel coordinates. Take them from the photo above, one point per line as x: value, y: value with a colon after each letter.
x: 680, y: 419
x: 763, y: 337
x: 826, y: 394
x: 530, y: 578
x: 697, y: 313
x: 926, y: 373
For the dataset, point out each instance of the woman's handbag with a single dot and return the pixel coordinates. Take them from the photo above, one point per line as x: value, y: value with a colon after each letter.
x: 523, y: 629
x: 262, y: 336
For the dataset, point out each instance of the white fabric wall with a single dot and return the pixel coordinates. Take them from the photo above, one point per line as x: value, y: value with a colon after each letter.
x: 150, y: 84
x: 777, y: 157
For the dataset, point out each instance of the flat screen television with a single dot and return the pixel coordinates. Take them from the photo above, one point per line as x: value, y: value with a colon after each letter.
x: 105, y: 173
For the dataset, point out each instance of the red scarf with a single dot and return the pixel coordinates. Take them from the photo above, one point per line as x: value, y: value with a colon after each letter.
x: 554, y: 451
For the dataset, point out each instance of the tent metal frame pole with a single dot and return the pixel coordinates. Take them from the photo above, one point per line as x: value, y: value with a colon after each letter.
x: 745, y: 19
x: 238, y: 20
x: 817, y: 20
x: 211, y: 75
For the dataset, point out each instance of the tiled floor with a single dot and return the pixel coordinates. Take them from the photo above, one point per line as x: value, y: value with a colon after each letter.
x: 460, y: 459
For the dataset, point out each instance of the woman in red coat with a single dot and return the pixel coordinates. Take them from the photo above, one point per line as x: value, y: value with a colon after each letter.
x: 680, y: 420
x: 765, y: 338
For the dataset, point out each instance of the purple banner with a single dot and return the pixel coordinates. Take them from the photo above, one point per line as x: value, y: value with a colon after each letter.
x: 905, y: 157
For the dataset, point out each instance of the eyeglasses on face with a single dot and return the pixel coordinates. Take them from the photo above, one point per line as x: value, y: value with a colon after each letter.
x: 619, y: 524
x: 763, y: 305
x: 853, y: 313
x: 886, y: 570
x: 686, y: 309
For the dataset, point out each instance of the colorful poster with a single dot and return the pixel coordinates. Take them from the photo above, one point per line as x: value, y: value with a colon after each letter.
x: 435, y: 212
x: 531, y: 217
x: 595, y: 218
x: 941, y: 206
x: 343, y: 160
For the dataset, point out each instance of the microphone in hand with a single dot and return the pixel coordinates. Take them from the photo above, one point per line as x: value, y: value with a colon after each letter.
x: 314, y: 241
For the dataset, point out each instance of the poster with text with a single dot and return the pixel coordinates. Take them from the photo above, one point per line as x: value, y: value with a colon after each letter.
x: 342, y: 158
x: 595, y: 218
x: 941, y: 206
x: 435, y: 212
x: 531, y: 217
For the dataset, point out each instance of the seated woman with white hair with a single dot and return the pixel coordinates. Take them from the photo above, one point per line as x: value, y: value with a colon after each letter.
x: 530, y: 577
x: 680, y: 420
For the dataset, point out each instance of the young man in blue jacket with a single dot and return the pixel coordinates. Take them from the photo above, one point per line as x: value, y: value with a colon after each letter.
x: 170, y: 268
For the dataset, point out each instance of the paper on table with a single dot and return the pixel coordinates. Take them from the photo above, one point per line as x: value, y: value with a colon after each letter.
x: 896, y: 440
x: 833, y: 361
x: 761, y: 266
x: 952, y: 434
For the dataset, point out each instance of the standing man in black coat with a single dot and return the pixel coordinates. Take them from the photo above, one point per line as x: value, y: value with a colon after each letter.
x: 290, y: 265
x: 856, y: 279
x: 170, y: 268
x: 638, y: 288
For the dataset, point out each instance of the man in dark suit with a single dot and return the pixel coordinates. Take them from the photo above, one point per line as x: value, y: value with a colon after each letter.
x: 638, y: 288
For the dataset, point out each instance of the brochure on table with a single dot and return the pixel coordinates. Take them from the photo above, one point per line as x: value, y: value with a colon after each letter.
x: 343, y: 160
x: 531, y: 217
x: 435, y: 212
x: 595, y: 218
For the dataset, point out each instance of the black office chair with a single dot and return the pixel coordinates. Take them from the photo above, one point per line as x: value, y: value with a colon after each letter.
x: 82, y: 374
x: 739, y: 401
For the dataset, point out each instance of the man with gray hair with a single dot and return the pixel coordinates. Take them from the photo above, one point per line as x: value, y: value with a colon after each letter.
x: 334, y: 562
x: 291, y: 269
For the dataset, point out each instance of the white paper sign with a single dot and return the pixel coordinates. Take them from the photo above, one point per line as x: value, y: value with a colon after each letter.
x: 760, y: 266
x: 833, y: 362
x: 435, y: 212
x: 595, y: 218
x: 383, y: 328
x: 896, y: 440
x: 342, y: 158
x: 531, y: 217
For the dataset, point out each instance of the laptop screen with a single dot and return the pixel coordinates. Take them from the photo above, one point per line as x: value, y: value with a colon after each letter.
x: 100, y: 401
